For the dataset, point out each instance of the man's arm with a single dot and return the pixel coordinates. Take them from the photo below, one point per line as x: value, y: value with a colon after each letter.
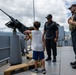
x: 70, y: 21
x: 57, y: 32
x: 43, y: 36
x: 56, y: 38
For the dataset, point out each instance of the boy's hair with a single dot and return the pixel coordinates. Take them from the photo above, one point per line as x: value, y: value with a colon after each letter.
x: 31, y: 28
x: 37, y: 24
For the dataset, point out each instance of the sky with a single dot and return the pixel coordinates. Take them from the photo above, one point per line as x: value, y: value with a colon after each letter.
x: 23, y: 11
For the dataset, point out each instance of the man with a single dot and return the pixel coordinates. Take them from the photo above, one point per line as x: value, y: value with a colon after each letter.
x: 51, y: 37
x: 72, y: 26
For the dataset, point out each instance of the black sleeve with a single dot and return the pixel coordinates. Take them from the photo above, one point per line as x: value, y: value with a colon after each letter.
x: 56, y: 26
x: 45, y: 26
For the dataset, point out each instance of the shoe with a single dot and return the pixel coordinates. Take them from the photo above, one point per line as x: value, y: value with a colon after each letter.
x: 36, y: 70
x: 49, y: 58
x: 74, y: 66
x: 44, y: 71
x: 73, y: 63
x: 54, y: 60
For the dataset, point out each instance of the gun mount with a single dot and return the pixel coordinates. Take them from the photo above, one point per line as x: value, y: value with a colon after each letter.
x: 14, y: 23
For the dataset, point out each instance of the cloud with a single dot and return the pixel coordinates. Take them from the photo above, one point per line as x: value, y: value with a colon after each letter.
x: 23, y: 11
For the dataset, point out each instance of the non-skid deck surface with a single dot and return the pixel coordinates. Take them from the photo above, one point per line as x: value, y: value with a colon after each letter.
x: 61, y: 67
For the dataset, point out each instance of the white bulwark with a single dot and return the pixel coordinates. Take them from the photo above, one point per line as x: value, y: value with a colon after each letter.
x: 64, y: 38
x: 61, y: 37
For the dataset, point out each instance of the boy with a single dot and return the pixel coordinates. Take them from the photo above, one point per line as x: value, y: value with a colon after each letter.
x: 37, y: 46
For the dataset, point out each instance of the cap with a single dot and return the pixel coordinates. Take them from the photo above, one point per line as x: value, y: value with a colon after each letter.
x: 73, y: 5
x: 49, y: 16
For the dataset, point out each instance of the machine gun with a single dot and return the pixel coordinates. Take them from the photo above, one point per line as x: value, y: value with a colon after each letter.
x: 14, y: 23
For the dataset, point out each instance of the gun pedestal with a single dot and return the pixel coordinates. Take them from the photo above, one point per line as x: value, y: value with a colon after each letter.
x: 15, y: 49
x: 15, y: 52
x: 14, y: 31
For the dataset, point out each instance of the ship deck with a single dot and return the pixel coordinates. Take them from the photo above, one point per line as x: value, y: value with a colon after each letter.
x: 62, y: 67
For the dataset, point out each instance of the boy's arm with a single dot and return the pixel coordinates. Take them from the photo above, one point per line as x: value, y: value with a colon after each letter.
x: 27, y: 37
x: 27, y: 32
x: 43, y: 40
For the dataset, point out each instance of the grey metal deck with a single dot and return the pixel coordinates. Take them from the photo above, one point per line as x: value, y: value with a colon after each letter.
x: 61, y: 67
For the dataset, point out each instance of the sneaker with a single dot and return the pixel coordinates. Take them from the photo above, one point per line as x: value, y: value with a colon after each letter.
x: 36, y: 70
x: 44, y: 71
x: 49, y: 58
x: 73, y: 63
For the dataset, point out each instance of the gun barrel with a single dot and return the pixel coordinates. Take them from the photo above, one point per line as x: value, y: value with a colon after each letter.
x: 7, y: 14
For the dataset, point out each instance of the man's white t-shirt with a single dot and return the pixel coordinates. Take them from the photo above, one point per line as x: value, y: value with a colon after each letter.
x: 37, y: 40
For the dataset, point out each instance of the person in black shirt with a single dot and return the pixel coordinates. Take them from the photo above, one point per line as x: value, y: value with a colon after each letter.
x: 51, y: 37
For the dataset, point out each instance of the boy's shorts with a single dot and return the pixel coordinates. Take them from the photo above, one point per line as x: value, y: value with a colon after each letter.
x: 38, y: 55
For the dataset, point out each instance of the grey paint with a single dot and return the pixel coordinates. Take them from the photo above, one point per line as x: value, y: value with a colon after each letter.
x: 4, y: 48
x: 15, y: 50
x: 5, y: 45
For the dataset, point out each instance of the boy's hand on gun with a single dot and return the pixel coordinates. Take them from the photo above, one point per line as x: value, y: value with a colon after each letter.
x: 27, y: 37
x: 27, y: 34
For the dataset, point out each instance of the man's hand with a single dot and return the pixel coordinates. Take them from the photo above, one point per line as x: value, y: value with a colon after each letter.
x: 70, y: 21
x: 55, y: 39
